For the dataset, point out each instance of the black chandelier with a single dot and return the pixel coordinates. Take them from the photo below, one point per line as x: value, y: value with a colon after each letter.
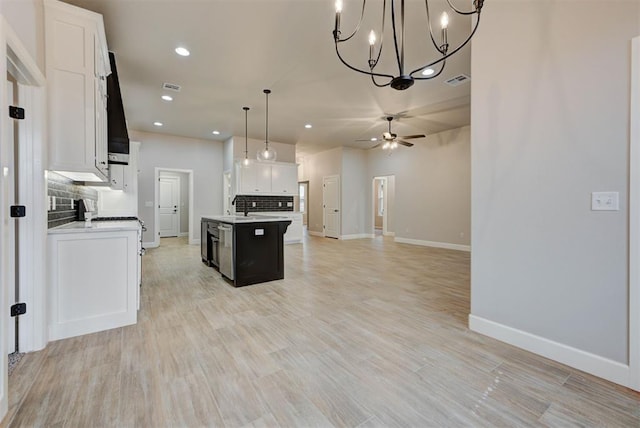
x: 404, y: 80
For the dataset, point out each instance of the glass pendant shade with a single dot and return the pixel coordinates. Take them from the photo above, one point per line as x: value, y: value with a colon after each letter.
x: 267, y: 154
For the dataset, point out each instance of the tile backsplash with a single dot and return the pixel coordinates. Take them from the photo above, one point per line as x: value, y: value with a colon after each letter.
x: 264, y: 203
x: 65, y: 191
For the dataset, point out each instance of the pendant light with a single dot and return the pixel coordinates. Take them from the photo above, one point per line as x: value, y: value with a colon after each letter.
x: 268, y: 154
x: 245, y: 162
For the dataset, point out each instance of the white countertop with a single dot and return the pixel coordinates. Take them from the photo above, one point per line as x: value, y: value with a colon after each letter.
x: 96, y: 226
x: 251, y: 218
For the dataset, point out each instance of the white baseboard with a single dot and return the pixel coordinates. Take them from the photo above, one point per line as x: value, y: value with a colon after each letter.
x: 435, y: 244
x: 181, y: 234
x: 389, y: 234
x: 594, y: 364
x: 357, y: 236
x: 312, y: 233
x: 195, y: 241
x: 151, y: 244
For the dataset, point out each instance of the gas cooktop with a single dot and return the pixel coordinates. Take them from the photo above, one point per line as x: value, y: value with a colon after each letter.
x: 114, y: 218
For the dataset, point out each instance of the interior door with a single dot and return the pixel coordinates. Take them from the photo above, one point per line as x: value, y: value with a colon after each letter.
x: 169, y: 206
x: 331, y: 205
x: 11, y: 192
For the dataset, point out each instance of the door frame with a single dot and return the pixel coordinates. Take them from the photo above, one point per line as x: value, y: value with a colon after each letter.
x: 177, y: 179
x: 31, y: 92
x: 324, y: 214
x: 193, y: 240
x: 634, y: 219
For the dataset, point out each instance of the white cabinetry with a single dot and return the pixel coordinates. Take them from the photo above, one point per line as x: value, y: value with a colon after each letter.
x: 275, y: 179
x: 284, y: 179
x: 93, y: 281
x: 77, y: 66
x: 254, y: 178
x: 294, y: 230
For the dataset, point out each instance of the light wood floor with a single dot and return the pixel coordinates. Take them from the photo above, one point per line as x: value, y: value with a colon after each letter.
x: 361, y: 333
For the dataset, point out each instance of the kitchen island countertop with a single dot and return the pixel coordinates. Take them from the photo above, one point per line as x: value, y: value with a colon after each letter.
x: 253, y: 218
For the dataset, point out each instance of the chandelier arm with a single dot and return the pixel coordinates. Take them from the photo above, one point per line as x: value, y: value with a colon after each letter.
x: 450, y: 53
x: 370, y: 73
x: 433, y: 40
x: 337, y: 39
x: 372, y: 64
x: 395, y: 36
x: 433, y: 76
x: 380, y: 85
x: 462, y: 12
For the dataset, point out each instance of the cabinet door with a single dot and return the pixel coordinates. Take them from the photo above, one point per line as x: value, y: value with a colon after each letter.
x: 254, y: 178
x: 101, y: 129
x: 117, y: 177
x: 284, y: 179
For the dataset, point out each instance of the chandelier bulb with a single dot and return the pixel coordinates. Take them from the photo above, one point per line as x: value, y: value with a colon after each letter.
x: 372, y: 38
x: 338, y: 6
x: 246, y: 161
x: 444, y: 20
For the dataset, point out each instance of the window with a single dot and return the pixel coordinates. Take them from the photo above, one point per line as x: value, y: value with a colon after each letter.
x: 381, y: 199
x: 302, y: 198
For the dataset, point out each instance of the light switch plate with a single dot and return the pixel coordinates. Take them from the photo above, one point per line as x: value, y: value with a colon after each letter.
x: 604, y: 201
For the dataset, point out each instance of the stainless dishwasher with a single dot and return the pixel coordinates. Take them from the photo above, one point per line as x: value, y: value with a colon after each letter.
x: 225, y: 247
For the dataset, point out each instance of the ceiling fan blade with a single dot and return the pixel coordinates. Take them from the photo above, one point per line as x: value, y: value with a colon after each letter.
x: 408, y: 137
x: 405, y: 143
x: 367, y: 139
x: 376, y: 146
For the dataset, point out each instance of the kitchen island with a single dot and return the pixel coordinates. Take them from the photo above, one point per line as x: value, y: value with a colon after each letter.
x: 249, y: 249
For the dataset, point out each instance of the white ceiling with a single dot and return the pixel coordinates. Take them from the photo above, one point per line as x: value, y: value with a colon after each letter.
x: 240, y: 47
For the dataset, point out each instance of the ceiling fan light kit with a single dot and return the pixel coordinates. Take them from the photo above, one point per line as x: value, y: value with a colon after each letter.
x: 267, y: 154
x: 403, y: 79
x: 390, y: 141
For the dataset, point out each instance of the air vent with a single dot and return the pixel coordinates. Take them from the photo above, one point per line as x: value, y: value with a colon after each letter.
x: 458, y: 80
x: 171, y: 87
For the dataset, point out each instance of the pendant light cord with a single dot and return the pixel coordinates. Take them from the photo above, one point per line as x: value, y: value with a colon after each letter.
x: 246, y: 147
x: 266, y: 126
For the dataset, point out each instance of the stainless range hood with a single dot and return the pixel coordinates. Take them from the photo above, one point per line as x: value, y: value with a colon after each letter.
x: 118, y: 137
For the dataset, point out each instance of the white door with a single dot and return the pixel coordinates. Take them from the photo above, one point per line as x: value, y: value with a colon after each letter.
x: 331, y: 205
x: 169, y: 206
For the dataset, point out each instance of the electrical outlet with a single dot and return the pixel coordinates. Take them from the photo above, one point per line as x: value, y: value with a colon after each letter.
x: 289, y: 204
x: 54, y: 203
x: 604, y: 201
x: 253, y: 204
x: 48, y: 203
x: 279, y: 204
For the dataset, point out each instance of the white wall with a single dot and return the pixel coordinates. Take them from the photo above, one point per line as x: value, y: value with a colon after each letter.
x: 355, y: 187
x: 285, y: 152
x: 314, y: 168
x: 204, y: 157
x: 432, y: 201
x: 26, y: 17
x: 550, y: 124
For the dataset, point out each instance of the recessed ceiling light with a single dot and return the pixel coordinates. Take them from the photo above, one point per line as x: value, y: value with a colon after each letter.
x: 428, y: 72
x: 216, y: 132
x: 308, y: 126
x: 182, y: 51
x: 157, y: 123
x: 167, y: 98
x: 374, y: 139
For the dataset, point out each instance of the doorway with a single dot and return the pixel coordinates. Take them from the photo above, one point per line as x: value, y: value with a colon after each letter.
x: 173, y: 204
x: 383, y: 197
x: 26, y: 185
x: 331, y: 206
x: 169, y: 205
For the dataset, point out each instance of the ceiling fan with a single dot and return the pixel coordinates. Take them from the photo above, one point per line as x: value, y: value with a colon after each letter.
x: 391, y: 140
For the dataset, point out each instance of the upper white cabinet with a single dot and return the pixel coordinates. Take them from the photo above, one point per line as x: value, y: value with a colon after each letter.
x: 266, y: 179
x: 284, y: 179
x: 77, y: 67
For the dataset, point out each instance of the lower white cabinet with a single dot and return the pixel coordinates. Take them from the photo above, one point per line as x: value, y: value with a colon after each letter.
x: 294, y: 230
x: 93, y: 281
